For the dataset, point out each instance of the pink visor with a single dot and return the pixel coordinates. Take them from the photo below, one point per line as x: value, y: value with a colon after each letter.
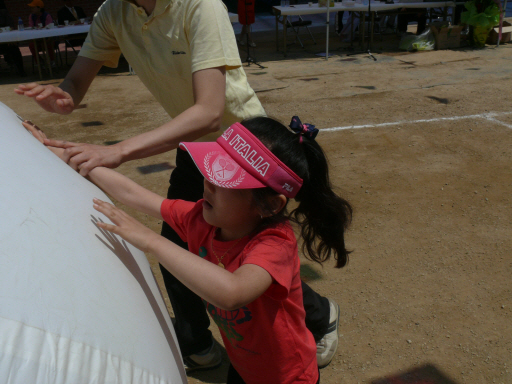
x: 238, y: 160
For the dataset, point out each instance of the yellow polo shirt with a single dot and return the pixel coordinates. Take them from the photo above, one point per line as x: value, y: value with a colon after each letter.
x: 179, y: 38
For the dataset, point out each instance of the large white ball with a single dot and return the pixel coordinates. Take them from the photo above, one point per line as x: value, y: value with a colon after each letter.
x: 76, y: 305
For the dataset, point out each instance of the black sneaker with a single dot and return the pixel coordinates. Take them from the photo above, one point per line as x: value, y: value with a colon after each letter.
x: 210, y: 358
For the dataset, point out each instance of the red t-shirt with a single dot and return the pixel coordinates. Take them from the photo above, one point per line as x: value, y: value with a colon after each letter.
x: 267, y: 340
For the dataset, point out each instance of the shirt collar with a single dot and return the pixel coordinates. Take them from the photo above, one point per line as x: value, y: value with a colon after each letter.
x: 160, y: 7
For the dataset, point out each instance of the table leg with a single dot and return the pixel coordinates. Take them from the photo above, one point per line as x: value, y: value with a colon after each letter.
x: 285, y: 18
x: 351, y: 29
x: 48, y: 58
x: 277, y: 33
x: 362, y: 28
x: 371, y: 27
x: 37, y: 59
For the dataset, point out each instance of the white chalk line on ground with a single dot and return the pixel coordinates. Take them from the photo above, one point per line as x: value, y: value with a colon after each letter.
x: 491, y: 116
x: 499, y: 122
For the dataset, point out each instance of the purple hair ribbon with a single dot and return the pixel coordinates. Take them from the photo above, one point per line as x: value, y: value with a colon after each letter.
x: 305, y: 129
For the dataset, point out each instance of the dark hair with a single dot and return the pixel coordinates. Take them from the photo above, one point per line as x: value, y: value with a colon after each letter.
x: 322, y: 215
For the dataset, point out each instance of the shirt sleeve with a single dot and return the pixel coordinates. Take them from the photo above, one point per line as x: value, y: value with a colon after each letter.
x: 101, y: 43
x: 176, y: 213
x: 211, y: 36
x: 275, y: 250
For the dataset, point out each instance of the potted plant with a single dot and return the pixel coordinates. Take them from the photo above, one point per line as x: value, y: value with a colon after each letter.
x: 482, y: 16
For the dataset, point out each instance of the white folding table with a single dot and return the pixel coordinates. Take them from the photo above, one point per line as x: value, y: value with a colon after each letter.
x: 42, y: 34
x: 377, y: 6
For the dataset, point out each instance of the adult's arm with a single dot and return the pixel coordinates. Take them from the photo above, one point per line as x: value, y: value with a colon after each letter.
x: 113, y: 183
x: 205, y: 116
x: 64, y: 98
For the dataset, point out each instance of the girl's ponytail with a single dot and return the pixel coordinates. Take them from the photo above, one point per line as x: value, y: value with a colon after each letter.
x: 322, y: 215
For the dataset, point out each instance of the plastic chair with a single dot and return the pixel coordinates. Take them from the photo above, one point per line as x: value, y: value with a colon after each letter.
x: 296, y: 25
x: 71, y: 43
x: 438, y: 14
x: 2, y: 60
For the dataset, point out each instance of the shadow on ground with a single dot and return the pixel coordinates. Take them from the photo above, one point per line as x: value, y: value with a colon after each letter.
x: 266, y: 50
x: 425, y: 374
x: 8, y: 77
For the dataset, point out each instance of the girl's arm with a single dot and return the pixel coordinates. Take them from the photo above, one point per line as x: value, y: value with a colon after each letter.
x: 126, y: 191
x: 222, y: 288
x: 113, y: 183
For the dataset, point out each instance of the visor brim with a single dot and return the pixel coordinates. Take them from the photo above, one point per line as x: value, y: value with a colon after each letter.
x: 218, y: 167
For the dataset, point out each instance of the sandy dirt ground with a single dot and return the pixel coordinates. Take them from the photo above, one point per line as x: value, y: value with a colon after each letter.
x: 421, y: 145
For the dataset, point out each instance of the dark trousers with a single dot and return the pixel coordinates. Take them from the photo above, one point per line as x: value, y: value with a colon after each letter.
x: 235, y: 378
x: 403, y: 20
x: 12, y: 56
x: 339, y: 21
x: 192, y: 321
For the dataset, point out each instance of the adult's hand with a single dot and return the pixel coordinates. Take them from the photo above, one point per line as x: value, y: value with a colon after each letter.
x: 69, y: 93
x: 49, y: 97
x: 84, y: 158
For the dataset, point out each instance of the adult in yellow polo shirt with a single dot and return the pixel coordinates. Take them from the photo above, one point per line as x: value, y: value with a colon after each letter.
x: 185, y: 53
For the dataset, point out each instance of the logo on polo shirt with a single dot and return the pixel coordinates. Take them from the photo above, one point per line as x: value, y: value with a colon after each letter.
x: 249, y: 154
x: 179, y: 52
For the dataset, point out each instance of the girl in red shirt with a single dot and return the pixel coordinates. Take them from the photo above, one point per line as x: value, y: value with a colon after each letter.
x: 248, y: 270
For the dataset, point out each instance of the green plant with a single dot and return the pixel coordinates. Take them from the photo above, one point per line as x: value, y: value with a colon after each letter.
x: 482, y: 13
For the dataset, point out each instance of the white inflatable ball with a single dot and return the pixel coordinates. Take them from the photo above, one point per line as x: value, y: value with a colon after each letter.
x: 77, y: 305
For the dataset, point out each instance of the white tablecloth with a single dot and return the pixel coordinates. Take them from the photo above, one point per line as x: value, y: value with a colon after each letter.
x: 32, y: 34
x: 305, y: 9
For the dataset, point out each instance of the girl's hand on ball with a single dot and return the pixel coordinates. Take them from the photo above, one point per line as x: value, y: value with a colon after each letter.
x: 124, y: 225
